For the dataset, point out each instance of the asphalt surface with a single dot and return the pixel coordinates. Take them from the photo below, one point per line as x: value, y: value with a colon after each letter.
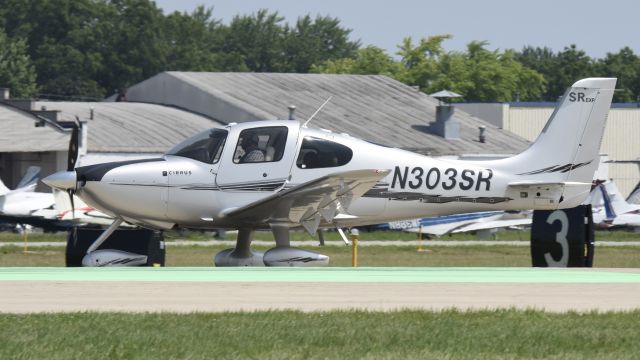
x: 28, y: 290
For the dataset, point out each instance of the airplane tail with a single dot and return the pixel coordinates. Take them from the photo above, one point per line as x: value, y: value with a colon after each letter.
x: 634, y: 197
x: 614, y: 199
x: 30, y: 178
x: 28, y: 182
x: 608, y: 208
x: 566, y: 153
x: 3, y: 188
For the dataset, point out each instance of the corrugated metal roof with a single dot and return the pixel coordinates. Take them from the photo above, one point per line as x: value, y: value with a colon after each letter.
x: 19, y: 133
x: 374, y: 108
x: 131, y: 127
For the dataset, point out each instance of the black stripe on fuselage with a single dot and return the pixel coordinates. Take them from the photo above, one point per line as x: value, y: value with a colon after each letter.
x: 432, y: 198
x: 97, y: 171
x: 556, y: 168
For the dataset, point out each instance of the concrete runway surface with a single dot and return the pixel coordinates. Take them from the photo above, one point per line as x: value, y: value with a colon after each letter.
x: 29, y: 290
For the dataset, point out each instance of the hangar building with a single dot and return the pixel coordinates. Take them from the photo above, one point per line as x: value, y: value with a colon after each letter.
x: 163, y: 110
x: 371, y: 107
x: 620, y: 141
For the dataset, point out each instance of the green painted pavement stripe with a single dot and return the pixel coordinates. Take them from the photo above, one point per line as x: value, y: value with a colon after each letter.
x: 387, y: 275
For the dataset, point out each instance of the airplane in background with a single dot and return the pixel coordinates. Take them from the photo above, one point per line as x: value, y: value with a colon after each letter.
x: 28, y: 182
x: 23, y: 200
x: 49, y: 211
x: 610, y: 209
x: 281, y: 175
x: 452, y: 224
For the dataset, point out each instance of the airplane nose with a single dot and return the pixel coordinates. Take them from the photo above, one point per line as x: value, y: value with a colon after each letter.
x: 63, y: 180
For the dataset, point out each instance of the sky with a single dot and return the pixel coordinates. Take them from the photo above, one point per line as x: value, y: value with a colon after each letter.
x: 597, y: 27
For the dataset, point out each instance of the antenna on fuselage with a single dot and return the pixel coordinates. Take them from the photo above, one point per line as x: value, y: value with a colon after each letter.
x: 317, y: 111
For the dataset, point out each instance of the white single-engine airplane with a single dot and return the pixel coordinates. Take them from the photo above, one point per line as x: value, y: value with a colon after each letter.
x: 282, y: 175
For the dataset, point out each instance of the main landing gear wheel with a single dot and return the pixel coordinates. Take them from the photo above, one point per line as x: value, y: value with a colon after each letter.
x: 241, y: 255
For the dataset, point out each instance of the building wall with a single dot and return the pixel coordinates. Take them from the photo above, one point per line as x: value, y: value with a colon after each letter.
x: 492, y: 113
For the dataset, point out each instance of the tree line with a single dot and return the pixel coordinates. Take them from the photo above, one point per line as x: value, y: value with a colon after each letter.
x: 94, y: 48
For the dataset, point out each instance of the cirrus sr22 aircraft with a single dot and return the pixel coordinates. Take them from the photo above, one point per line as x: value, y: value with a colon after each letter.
x: 281, y: 175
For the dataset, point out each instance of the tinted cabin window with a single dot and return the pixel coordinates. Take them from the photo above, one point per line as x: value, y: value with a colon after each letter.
x: 205, y: 147
x: 265, y: 144
x: 319, y: 153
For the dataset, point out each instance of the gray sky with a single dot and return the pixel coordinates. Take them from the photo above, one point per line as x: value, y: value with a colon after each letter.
x: 596, y: 27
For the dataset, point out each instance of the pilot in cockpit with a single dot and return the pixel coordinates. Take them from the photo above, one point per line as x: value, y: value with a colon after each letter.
x: 252, y: 152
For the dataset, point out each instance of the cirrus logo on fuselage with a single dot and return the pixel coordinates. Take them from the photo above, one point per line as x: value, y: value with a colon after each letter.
x: 176, y: 172
x: 448, y: 179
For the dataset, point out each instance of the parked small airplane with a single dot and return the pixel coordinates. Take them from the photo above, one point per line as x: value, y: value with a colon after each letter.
x: 614, y: 211
x: 282, y: 175
x: 23, y: 200
x: 49, y: 211
x: 452, y: 224
x: 28, y: 182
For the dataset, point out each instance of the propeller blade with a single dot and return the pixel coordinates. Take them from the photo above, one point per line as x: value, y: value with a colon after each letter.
x: 73, y: 207
x: 74, y: 144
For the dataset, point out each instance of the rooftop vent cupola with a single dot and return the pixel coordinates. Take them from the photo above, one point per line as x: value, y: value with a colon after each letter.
x: 446, y: 124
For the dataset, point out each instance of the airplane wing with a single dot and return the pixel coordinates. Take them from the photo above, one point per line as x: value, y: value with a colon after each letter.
x: 494, y: 225
x: 444, y: 229
x: 439, y: 229
x: 306, y: 204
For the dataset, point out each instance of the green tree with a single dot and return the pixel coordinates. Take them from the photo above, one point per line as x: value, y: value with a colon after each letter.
x: 420, y: 62
x: 312, y: 42
x: 491, y: 76
x: 16, y: 70
x: 478, y: 74
x: 370, y: 60
x: 256, y: 39
x: 62, y: 67
x: 193, y: 41
x: 624, y: 65
x: 559, y: 70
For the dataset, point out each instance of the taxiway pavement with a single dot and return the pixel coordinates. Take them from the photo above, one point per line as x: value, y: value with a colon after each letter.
x: 30, y: 290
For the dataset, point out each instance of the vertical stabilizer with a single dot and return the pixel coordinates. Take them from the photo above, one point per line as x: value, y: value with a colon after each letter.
x: 568, y: 148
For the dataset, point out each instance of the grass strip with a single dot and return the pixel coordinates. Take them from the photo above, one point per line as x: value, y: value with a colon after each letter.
x: 323, y: 335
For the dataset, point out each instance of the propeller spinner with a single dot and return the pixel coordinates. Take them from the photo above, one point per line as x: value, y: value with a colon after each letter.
x: 67, y: 180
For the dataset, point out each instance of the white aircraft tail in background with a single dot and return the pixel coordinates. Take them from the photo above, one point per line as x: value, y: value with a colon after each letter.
x: 28, y: 182
x: 611, y: 209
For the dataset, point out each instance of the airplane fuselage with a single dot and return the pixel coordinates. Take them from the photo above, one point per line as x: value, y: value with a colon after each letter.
x: 192, y: 193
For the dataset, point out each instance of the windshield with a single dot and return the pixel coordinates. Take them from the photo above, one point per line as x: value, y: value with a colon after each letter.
x: 205, y: 147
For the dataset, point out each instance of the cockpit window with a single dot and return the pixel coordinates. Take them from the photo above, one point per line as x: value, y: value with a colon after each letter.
x: 319, y: 153
x: 263, y: 144
x: 205, y: 147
